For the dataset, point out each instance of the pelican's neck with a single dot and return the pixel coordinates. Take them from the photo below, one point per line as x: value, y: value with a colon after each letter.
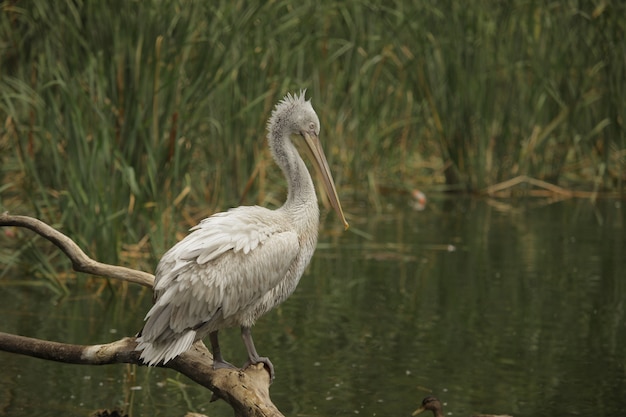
x: 301, y: 197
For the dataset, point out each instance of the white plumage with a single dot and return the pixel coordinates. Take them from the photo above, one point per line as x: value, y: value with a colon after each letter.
x: 237, y: 265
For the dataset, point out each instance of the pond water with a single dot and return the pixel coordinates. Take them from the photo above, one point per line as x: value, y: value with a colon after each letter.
x: 510, y: 307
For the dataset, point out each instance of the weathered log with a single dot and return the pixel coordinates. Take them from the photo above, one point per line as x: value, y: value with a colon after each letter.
x: 247, y: 391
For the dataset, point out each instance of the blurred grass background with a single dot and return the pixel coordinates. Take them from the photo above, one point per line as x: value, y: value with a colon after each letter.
x: 125, y: 122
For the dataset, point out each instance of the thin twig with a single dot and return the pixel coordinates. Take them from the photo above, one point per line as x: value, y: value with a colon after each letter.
x: 549, y: 189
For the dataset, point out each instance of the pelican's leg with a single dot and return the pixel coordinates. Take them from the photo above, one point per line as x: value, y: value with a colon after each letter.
x: 253, y: 357
x: 218, y: 361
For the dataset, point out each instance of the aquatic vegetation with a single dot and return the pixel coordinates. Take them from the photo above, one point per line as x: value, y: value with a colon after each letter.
x: 126, y: 131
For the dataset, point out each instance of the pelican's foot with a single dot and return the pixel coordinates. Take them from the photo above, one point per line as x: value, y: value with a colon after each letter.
x: 265, y: 361
x: 222, y: 364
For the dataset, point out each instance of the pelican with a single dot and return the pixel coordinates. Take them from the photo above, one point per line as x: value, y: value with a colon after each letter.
x: 237, y: 265
x: 433, y: 404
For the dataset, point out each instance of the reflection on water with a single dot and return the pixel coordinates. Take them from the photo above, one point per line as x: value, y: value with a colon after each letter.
x: 502, y: 309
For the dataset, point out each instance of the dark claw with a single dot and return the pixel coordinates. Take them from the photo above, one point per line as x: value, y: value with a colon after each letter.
x: 265, y: 361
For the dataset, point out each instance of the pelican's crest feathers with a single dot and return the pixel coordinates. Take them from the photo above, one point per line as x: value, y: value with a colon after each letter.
x: 286, y: 105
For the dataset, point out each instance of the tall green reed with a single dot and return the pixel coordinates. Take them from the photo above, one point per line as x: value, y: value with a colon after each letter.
x: 96, y: 105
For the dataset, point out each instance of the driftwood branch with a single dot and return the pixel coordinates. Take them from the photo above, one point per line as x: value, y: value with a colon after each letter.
x: 247, y: 391
x: 80, y: 261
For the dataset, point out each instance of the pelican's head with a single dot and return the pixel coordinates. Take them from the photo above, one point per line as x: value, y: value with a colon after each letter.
x: 294, y: 115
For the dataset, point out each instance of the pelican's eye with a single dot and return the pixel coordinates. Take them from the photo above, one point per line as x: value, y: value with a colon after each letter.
x: 312, y: 127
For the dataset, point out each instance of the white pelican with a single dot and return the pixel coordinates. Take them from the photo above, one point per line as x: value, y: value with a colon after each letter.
x: 237, y: 265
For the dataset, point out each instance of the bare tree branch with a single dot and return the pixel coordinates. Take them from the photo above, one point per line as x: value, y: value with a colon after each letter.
x: 247, y: 391
x: 80, y: 261
x: 120, y: 351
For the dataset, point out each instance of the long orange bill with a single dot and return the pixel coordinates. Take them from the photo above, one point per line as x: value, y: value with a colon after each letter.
x: 313, y: 142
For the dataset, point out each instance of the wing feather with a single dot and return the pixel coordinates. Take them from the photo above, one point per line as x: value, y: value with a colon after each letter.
x: 225, y: 265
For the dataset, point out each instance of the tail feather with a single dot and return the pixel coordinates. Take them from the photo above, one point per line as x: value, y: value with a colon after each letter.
x: 155, y: 352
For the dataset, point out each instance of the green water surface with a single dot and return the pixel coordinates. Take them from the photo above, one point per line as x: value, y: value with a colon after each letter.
x: 511, y: 307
